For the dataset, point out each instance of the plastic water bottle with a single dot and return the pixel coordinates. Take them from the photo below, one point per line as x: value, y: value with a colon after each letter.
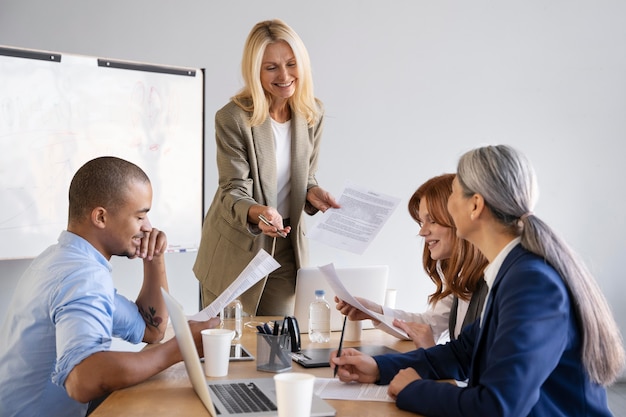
x: 319, y: 319
x: 231, y: 318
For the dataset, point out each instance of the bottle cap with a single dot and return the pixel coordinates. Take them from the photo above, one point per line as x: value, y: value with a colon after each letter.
x: 319, y: 292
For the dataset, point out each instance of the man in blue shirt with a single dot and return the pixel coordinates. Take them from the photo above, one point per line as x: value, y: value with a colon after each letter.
x: 55, y: 341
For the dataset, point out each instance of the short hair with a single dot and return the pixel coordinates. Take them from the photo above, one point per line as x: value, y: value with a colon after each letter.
x: 252, y: 97
x: 102, y: 182
x: 505, y: 179
x: 464, y: 270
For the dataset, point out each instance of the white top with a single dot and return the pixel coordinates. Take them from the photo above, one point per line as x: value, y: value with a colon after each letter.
x: 461, y: 312
x: 282, y: 145
x: 437, y: 316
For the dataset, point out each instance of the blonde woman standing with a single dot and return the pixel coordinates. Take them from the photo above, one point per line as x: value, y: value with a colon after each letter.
x: 268, y: 140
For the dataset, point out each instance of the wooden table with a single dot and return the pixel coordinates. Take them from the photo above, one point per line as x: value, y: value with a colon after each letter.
x: 169, y: 393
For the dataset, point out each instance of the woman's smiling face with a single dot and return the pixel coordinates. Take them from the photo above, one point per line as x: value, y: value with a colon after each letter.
x: 279, y: 71
x: 438, y: 239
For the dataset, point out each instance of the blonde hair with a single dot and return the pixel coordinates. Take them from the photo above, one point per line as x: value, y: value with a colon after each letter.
x: 252, y: 97
x: 506, y: 181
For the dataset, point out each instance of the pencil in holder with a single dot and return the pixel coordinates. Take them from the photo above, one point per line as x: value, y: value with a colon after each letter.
x: 273, y: 352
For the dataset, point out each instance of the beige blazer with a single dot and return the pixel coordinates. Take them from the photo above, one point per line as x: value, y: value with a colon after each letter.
x: 246, y: 163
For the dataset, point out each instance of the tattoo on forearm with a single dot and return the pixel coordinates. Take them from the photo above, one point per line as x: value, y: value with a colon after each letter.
x: 150, y: 316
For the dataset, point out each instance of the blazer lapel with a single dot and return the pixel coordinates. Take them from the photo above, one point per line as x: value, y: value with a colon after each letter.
x: 474, y: 308
x: 266, y: 158
x: 484, y: 321
x: 299, y: 164
x: 476, y: 303
x: 452, y: 321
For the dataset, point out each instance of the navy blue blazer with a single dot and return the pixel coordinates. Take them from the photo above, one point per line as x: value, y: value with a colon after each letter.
x: 524, y: 361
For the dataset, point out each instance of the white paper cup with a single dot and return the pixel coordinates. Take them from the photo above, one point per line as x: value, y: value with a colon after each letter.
x: 390, y: 297
x: 353, y: 331
x: 294, y: 394
x: 216, y: 344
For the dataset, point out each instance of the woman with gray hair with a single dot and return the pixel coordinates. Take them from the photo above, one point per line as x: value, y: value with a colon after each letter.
x: 546, y: 343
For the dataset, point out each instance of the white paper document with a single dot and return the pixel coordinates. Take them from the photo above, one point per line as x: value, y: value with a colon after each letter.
x: 353, y: 226
x: 342, y: 293
x: 334, y: 389
x: 261, y: 265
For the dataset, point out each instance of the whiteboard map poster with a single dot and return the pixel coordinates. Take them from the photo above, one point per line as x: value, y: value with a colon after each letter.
x: 57, y: 111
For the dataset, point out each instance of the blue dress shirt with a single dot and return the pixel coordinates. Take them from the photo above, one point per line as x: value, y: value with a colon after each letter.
x: 64, y: 309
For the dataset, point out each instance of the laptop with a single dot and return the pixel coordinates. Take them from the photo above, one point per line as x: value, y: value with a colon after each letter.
x: 362, y: 281
x: 239, y: 397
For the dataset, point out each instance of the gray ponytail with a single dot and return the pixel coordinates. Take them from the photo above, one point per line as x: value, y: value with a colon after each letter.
x: 507, y: 182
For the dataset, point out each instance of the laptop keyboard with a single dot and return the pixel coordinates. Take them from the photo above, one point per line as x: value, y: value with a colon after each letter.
x: 241, y: 398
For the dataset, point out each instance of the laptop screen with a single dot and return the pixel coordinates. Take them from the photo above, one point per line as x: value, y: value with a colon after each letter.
x: 188, y: 350
x: 363, y: 281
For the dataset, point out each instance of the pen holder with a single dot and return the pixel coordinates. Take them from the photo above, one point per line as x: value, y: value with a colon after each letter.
x: 273, y: 352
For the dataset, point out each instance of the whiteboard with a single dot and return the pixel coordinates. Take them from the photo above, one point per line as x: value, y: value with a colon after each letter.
x: 57, y: 111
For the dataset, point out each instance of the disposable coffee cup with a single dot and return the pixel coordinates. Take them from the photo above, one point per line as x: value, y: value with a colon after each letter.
x: 390, y: 297
x: 294, y: 394
x: 216, y: 345
x: 352, y: 332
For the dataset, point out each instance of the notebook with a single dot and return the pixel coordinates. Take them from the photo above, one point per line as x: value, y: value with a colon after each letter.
x: 253, y: 397
x: 319, y: 357
x: 362, y: 281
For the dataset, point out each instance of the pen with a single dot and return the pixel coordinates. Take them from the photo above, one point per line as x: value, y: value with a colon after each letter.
x: 267, y: 222
x: 343, y: 330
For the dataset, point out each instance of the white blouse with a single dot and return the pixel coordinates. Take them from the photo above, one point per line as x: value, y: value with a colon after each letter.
x: 437, y: 316
x: 282, y: 146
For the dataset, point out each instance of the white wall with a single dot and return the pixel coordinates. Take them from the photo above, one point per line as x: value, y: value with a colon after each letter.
x: 408, y: 86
